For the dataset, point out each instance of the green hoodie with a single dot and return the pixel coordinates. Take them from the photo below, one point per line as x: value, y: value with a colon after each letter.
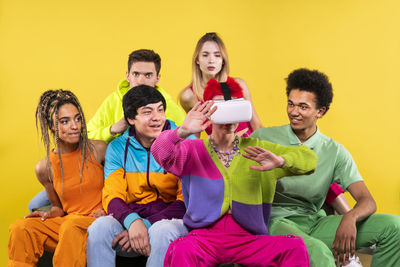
x: 111, y: 111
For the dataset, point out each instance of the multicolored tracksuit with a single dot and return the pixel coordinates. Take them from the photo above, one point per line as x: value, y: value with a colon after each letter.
x: 137, y: 187
x: 65, y: 236
x: 210, y: 190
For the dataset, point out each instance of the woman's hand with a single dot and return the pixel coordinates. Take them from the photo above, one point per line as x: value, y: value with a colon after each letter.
x: 98, y: 213
x: 265, y: 158
x: 54, y: 212
x: 197, y: 119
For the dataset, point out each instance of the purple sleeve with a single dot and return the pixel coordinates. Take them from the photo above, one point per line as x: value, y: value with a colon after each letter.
x: 172, y: 152
x: 175, y: 210
x: 119, y: 209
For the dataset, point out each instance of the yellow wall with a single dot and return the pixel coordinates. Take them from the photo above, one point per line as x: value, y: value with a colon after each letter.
x: 83, y: 46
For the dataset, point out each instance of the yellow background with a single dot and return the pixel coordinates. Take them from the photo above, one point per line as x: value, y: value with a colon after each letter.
x: 84, y: 45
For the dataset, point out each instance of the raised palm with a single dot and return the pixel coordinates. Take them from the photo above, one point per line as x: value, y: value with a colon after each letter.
x: 197, y: 119
x: 267, y: 160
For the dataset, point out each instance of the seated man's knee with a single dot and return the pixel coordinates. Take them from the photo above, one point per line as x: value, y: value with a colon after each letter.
x: 167, y: 230
x: 104, y: 228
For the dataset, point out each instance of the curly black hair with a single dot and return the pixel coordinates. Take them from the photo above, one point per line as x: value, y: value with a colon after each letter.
x: 311, y: 81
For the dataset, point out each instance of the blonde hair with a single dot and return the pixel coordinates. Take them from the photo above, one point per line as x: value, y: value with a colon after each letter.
x: 197, y: 79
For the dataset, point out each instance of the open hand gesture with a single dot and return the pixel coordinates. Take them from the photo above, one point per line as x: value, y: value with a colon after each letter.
x: 265, y: 158
x: 197, y: 119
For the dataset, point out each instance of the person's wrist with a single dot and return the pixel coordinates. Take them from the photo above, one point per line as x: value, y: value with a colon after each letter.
x: 182, y: 132
x: 351, y: 216
x: 113, y: 131
x: 282, y: 161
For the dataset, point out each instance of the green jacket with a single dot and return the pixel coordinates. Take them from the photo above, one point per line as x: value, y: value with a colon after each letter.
x: 111, y: 111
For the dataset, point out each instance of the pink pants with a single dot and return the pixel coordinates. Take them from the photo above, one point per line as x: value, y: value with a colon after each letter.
x: 226, y: 241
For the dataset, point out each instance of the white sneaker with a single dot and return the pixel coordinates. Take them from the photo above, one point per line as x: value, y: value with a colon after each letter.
x: 354, y: 262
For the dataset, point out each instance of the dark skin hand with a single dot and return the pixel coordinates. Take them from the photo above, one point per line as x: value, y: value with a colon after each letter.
x: 344, y: 244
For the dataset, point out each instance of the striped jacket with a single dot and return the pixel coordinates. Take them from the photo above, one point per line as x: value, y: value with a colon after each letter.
x: 136, y: 186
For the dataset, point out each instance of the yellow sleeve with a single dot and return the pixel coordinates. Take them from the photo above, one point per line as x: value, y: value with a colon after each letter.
x: 114, y: 187
x: 109, y: 112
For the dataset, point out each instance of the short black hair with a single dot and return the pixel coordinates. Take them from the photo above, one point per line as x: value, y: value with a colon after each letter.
x: 311, y: 81
x: 145, y: 55
x: 140, y: 96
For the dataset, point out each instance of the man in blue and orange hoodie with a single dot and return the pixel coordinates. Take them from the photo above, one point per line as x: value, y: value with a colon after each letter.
x: 144, y: 203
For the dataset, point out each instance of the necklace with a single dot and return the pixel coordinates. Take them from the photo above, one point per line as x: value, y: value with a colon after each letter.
x: 225, y: 156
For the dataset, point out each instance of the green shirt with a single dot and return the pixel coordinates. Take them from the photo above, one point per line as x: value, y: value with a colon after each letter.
x: 306, y: 194
x: 111, y: 111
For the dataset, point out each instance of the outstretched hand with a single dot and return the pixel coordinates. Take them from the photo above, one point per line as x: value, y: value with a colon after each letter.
x: 265, y: 158
x: 197, y: 119
x: 54, y: 212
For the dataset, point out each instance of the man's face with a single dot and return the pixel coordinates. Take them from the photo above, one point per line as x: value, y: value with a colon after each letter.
x: 142, y: 73
x: 149, y: 122
x: 302, y: 110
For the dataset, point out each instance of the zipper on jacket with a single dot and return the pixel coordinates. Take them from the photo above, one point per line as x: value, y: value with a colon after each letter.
x: 148, y: 173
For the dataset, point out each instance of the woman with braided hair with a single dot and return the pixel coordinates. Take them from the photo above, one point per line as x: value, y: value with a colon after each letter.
x: 73, y: 178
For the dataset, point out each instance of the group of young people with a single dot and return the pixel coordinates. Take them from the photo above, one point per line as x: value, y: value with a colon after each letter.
x: 131, y: 182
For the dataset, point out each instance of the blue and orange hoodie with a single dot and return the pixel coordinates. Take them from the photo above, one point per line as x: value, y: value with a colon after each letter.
x: 136, y: 186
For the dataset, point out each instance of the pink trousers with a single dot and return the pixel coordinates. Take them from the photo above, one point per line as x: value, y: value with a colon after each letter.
x: 226, y: 241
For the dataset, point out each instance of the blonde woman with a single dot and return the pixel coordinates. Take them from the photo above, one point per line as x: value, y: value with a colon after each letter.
x: 210, y: 61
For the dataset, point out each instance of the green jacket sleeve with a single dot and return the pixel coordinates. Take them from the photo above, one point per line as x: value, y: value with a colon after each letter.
x: 108, y: 113
x: 299, y: 160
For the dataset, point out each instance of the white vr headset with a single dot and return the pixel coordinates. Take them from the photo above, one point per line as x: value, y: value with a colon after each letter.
x: 231, y: 111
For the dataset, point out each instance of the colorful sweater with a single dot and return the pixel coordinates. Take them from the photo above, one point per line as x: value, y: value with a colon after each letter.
x: 136, y: 186
x: 209, y: 189
x: 111, y: 111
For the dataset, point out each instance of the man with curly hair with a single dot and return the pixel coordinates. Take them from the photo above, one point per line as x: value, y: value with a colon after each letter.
x: 297, y: 206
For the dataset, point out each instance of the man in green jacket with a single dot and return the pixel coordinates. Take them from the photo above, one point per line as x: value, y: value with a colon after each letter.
x: 143, y: 69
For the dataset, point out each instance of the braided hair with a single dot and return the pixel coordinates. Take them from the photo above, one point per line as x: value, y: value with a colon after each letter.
x: 49, y: 105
